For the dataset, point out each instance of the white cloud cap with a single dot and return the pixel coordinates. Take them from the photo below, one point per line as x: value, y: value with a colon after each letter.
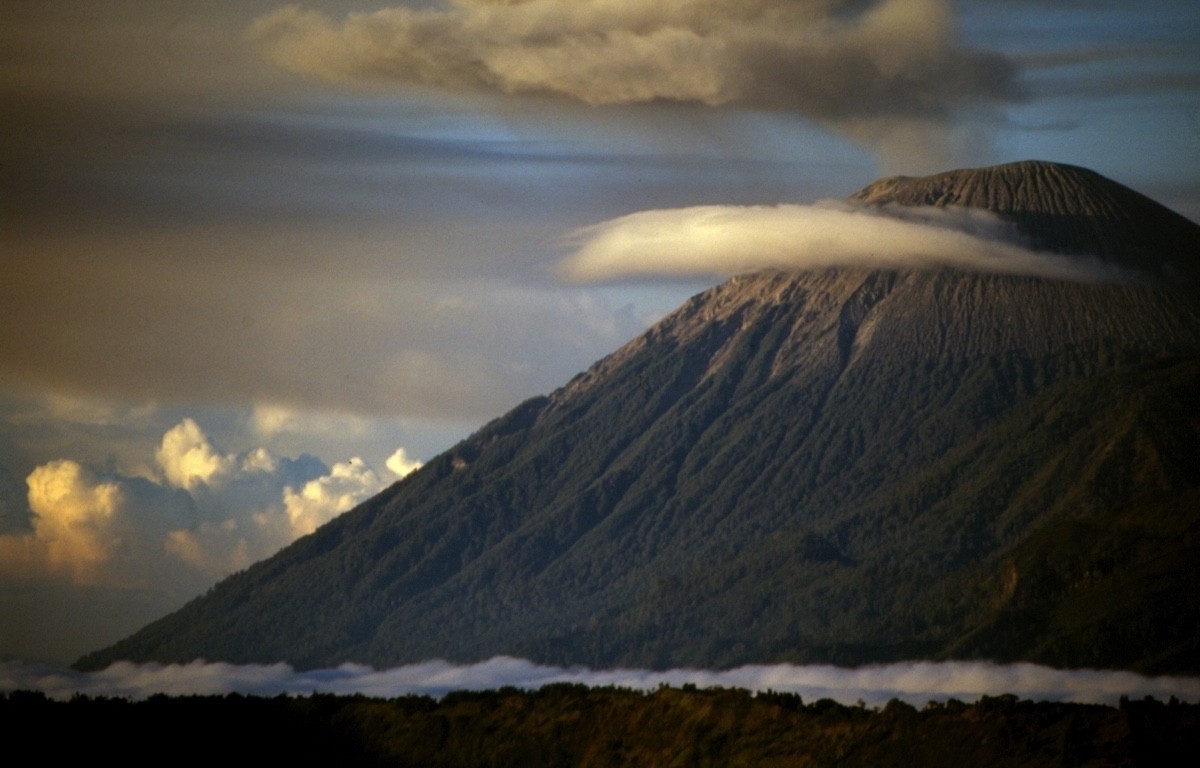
x: 723, y: 240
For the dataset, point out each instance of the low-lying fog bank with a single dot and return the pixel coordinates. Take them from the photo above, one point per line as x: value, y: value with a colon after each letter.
x: 913, y: 682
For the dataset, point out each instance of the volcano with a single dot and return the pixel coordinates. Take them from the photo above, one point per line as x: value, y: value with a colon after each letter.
x: 838, y: 466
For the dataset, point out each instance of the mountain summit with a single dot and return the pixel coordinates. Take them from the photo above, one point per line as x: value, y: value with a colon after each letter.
x: 843, y: 465
x: 1061, y: 208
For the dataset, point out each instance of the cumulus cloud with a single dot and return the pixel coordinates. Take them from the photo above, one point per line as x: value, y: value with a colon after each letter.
x: 828, y: 59
x: 915, y: 683
x: 255, y: 502
x: 725, y: 240
x: 91, y: 529
x: 401, y: 464
x: 72, y: 512
x: 187, y: 457
x: 320, y: 500
x: 209, y: 511
x: 72, y: 523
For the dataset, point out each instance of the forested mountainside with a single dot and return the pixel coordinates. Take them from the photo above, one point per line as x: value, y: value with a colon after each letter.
x: 843, y: 465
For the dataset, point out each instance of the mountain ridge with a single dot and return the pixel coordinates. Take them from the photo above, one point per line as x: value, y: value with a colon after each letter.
x: 829, y: 466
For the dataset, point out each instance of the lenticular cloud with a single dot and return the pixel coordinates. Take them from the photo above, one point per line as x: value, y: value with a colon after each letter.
x: 913, y: 682
x: 722, y: 240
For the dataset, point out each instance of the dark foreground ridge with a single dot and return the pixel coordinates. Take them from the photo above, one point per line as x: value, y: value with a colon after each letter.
x: 571, y: 725
x: 842, y: 466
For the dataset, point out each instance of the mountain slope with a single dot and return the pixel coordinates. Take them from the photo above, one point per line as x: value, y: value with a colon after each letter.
x: 843, y: 466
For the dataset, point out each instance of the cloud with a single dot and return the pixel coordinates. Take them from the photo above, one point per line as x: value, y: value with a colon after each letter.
x: 913, y: 682
x: 158, y: 539
x: 272, y: 420
x: 188, y: 324
x: 401, y: 464
x: 862, y: 68
x: 255, y: 502
x: 725, y: 240
x: 72, y: 516
x: 828, y: 60
x: 187, y: 457
x: 322, y: 499
x: 92, y: 529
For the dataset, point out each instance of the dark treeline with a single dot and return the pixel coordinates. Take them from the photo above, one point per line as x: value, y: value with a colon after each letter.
x: 574, y: 725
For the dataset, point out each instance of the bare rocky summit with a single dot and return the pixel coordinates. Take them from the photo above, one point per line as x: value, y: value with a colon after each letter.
x: 1062, y: 208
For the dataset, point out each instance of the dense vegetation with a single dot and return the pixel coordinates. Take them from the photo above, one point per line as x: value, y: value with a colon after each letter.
x: 572, y: 725
x: 841, y: 466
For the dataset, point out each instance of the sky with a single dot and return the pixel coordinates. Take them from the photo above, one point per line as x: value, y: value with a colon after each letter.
x: 258, y: 260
